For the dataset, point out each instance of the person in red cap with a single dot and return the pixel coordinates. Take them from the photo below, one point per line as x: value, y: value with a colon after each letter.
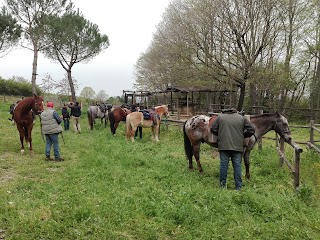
x: 50, y: 127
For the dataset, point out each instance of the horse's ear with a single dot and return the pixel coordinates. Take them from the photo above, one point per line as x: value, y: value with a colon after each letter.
x: 35, y: 95
x: 277, y: 113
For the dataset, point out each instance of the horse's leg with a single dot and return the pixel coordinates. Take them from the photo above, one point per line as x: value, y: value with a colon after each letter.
x: 246, y: 158
x: 196, y: 153
x: 30, y: 138
x: 132, y: 132
x: 115, y: 128
x: 21, y: 133
x: 155, y: 132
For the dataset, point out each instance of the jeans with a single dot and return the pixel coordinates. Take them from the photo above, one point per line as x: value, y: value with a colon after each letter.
x: 235, y: 156
x: 52, y: 139
x: 66, y: 123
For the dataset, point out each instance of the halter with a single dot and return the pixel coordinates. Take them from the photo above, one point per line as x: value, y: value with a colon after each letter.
x: 282, y: 131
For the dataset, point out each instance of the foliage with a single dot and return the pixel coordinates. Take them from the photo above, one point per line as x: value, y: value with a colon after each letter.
x: 32, y: 15
x: 72, y: 39
x: 10, y: 31
x: 265, y: 50
x: 17, y: 88
x: 108, y: 188
x: 87, y: 93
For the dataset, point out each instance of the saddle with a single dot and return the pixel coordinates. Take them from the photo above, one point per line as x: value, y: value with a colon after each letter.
x: 150, y: 115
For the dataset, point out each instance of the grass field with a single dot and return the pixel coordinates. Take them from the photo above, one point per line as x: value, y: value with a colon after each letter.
x: 108, y: 188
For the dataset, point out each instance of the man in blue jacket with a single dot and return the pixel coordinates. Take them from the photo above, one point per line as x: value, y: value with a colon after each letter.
x: 231, y: 129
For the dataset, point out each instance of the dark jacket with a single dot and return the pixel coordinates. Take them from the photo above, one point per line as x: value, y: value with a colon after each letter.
x: 65, y: 113
x: 230, y: 127
x: 75, y: 111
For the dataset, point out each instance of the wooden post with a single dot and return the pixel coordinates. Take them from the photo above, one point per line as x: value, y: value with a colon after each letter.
x: 296, y: 168
x: 187, y: 104
x: 312, y: 131
x: 178, y: 109
x: 281, y: 150
x: 260, y: 140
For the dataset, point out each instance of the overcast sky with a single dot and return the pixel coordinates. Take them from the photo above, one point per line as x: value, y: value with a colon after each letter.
x: 129, y: 24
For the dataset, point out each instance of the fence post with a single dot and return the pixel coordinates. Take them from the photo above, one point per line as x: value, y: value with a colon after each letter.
x: 297, y: 168
x: 260, y: 140
x: 311, y: 131
x: 281, y: 148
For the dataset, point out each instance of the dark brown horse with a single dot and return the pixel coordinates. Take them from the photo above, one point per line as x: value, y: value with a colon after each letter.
x: 116, y: 116
x: 24, y: 120
x: 197, y: 130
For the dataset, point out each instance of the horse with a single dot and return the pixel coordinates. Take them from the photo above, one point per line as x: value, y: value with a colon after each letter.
x: 98, y: 111
x: 23, y: 117
x: 196, y: 130
x: 161, y: 110
x: 137, y: 119
x: 116, y: 116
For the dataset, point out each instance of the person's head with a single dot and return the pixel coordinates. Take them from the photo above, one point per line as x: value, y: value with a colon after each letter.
x: 50, y: 104
x: 77, y: 103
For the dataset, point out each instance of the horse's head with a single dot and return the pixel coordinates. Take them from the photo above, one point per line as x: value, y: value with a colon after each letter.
x: 162, y: 110
x: 281, y: 126
x: 37, y: 107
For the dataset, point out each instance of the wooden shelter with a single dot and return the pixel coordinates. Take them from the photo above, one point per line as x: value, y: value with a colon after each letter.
x: 185, y: 101
x: 199, y: 100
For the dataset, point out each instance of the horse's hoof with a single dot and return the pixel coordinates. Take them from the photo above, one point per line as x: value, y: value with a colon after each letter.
x: 22, y: 151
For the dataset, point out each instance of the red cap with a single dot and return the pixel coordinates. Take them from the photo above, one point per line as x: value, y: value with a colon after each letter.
x: 50, y: 104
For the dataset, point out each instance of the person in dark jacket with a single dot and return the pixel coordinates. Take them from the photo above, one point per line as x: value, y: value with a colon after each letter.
x: 65, y: 117
x: 76, y: 114
x: 50, y: 127
x: 231, y: 129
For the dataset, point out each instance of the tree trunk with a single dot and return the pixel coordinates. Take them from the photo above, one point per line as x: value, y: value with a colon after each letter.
x: 73, y: 93
x: 241, y: 97
x: 34, y: 67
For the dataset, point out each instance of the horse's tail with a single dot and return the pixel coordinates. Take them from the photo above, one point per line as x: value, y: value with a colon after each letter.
x: 187, y: 144
x: 112, y: 122
x: 128, y: 127
x: 90, y: 120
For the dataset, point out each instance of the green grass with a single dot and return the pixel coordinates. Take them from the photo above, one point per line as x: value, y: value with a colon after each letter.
x: 108, y: 188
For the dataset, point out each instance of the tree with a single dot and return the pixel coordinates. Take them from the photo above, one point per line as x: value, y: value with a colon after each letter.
x: 10, y: 31
x: 48, y: 84
x: 73, y: 39
x: 87, y: 93
x: 102, y: 96
x: 32, y: 16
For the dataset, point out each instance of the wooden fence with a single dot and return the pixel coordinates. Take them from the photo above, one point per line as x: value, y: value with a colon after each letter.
x: 10, y: 99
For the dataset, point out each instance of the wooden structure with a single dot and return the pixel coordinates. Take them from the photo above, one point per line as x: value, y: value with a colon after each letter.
x: 134, y: 97
x: 183, y: 101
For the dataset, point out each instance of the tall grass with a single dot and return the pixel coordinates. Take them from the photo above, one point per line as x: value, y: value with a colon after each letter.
x: 108, y: 188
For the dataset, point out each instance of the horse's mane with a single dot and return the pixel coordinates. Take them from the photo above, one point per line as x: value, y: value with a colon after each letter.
x: 263, y: 115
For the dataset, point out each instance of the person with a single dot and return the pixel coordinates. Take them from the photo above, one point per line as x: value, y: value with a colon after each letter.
x: 50, y: 127
x: 136, y: 108
x: 76, y: 114
x: 231, y: 129
x: 65, y: 117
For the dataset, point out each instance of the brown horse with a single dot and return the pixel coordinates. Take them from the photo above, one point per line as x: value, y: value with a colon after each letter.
x: 137, y: 119
x: 197, y: 130
x: 116, y: 116
x: 24, y: 120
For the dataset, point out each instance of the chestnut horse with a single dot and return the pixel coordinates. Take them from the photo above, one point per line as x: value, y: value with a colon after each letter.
x: 116, y: 116
x: 23, y: 117
x: 197, y: 130
x: 136, y: 119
